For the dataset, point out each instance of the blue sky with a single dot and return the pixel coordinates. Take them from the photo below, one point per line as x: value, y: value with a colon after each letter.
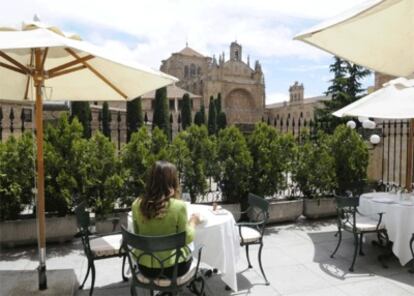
x: 149, y: 31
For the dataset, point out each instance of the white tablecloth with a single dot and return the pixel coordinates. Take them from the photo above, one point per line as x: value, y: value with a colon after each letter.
x: 219, y: 237
x: 398, y: 220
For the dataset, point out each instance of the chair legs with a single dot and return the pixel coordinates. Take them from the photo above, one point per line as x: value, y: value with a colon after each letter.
x: 93, y: 279
x: 260, y: 263
x: 248, y: 257
x: 86, y: 276
x: 355, y: 252
x: 361, y: 253
x: 339, y: 243
x: 124, y: 277
x: 412, y: 252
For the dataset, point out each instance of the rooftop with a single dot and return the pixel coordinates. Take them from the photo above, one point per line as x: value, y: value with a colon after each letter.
x: 188, y: 51
x: 296, y: 260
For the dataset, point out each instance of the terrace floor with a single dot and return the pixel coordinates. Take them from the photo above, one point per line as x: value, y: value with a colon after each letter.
x: 295, y: 258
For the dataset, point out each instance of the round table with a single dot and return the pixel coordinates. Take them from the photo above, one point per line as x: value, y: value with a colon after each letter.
x: 398, y: 219
x: 219, y: 236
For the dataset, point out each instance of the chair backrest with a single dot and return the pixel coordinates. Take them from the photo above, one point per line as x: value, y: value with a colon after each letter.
x: 258, y: 211
x: 346, y: 208
x: 150, y: 246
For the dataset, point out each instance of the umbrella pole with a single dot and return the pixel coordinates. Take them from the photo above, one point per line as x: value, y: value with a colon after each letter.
x: 38, y: 81
x: 410, y: 155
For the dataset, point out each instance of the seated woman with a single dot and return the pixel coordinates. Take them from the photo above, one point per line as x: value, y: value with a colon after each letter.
x: 160, y: 212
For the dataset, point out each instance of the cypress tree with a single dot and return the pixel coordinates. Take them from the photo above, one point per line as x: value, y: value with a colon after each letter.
x: 221, y: 121
x: 82, y: 111
x: 218, y: 104
x: 212, y: 117
x: 161, y: 113
x: 134, y: 116
x: 200, y: 117
x: 106, y: 120
x: 186, y: 111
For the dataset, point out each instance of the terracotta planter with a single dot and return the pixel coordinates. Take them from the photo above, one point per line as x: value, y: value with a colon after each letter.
x: 285, y: 210
x: 319, y: 208
x: 24, y: 231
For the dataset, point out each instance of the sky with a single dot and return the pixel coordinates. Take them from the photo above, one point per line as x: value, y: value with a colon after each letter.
x: 149, y: 31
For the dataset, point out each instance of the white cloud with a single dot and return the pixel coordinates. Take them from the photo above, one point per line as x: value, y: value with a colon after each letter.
x: 265, y: 28
x: 276, y: 97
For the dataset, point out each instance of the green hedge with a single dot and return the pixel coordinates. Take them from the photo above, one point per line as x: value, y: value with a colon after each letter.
x: 79, y: 169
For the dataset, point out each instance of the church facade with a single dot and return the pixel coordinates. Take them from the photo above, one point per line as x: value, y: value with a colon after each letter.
x: 242, y: 87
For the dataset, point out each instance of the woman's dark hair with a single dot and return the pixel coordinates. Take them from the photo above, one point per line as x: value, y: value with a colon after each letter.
x: 162, y: 180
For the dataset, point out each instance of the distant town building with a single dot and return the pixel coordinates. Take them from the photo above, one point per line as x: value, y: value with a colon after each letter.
x: 241, y: 86
x: 298, y: 110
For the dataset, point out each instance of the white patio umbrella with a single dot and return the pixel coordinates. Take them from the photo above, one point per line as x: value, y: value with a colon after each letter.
x: 394, y: 101
x: 40, y: 63
x: 378, y: 34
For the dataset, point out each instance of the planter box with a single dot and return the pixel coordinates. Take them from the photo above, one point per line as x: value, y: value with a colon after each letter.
x: 110, y: 224
x: 24, y: 231
x: 285, y: 210
x: 319, y: 208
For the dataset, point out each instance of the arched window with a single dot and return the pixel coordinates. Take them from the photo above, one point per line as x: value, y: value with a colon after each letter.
x: 192, y: 70
x: 199, y: 71
x: 301, y: 114
x: 186, y: 71
x: 194, y: 87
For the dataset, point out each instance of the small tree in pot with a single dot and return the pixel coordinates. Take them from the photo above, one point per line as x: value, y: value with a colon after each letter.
x: 234, y: 164
x: 314, y: 169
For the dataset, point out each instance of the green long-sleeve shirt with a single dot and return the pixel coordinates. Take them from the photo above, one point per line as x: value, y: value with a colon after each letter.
x: 174, y: 221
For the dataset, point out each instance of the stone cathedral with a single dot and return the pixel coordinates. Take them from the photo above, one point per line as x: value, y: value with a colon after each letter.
x: 241, y: 86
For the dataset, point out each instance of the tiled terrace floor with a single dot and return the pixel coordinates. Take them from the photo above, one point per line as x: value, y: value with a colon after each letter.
x: 296, y: 260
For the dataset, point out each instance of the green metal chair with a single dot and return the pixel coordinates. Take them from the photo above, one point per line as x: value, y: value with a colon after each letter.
x: 251, y: 233
x: 150, y: 246
x: 412, y: 252
x: 349, y: 219
x: 97, y: 247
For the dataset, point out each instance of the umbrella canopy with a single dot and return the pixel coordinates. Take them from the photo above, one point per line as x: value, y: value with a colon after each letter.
x: 378, y: 34
x: 73, y: 69
x: 40, y: 63
x: 394, y: 101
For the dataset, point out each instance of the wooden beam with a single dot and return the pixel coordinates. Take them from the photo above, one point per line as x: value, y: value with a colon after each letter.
x: 96, y: 72
x: 14, y: 62
x: 42, y: 66
x: 69, y: 64
x: 10, y: 67
x: 67, y: 71
x: 26, y: 92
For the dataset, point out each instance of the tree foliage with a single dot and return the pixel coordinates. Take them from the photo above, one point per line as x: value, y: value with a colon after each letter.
x: 272, y: 154
x: 233, y: 165
x: 134, y: 118
x: 186, y: 111
x: 345, y: 88
x: 314, y: 169
x: 351, y: 160
x: 17, y: 173
x: 212, y: 117
x: 82, y: 111
x: 200, y: 117
x: 161, y: 113
x: 106, y: 120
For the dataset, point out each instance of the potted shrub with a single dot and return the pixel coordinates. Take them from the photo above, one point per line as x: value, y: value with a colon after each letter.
x: 314, y: 174
x: 233, y: 166
x: 351, y: 160
x: 272, y: 154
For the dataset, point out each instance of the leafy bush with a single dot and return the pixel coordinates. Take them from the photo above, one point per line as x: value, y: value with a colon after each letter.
x: 16, y: 175
x: 199, y: 151
x: 351, y: 160
x: 138, y: 156
x: 314, y: 169
x: 234, y: 164
x: 271, y: 154
x: 99, y: 167
x: 63, y: 181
